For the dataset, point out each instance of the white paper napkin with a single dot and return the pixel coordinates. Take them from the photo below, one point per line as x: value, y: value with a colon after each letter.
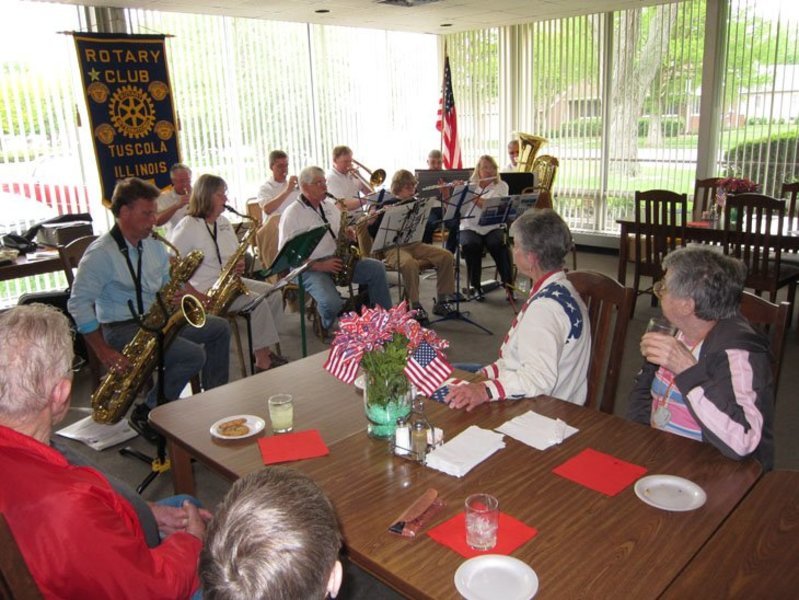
x: 536, y: 430
x: 465, y: 451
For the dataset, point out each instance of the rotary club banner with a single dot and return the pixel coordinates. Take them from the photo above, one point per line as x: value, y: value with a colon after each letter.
x: 129, y: 97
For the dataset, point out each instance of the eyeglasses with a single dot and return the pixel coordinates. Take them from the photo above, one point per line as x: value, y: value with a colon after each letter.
x: 659, y: 288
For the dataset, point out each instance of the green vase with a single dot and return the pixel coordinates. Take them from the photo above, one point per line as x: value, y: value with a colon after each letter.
x: 386, y: 398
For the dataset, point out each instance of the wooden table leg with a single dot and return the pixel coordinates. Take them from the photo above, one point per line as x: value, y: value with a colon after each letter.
x: 623, y: 246
x: 182, y: 474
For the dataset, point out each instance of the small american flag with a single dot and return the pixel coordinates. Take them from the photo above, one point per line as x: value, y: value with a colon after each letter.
x: 342, y: 365
x: 427, y: 369
x: 442, y: 392
x: 448, y: 122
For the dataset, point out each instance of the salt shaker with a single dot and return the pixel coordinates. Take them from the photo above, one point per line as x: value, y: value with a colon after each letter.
x: 402, y: 438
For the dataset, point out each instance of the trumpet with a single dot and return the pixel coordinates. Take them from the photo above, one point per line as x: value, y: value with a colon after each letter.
x: 376, y: 177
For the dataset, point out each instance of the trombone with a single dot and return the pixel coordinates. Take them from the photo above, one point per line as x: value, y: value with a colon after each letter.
x: 376, y: 177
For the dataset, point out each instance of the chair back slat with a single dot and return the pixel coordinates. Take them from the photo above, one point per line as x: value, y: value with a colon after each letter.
x: 71, y: 254
x: 704, y: 194
x: 789, y: 192
x: 771, y: 320
x: 609, y: 304
x: 16, y: 581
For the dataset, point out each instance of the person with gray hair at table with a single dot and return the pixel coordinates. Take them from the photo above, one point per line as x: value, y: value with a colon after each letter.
x: 712, y: 381
x: 82, y: 534
x: 548, y: 346
x: 275, y: 536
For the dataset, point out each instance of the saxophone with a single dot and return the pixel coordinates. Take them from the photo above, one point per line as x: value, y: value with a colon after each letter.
x: 347, y: 252
x: 229, y: 285
x: 117, y: 390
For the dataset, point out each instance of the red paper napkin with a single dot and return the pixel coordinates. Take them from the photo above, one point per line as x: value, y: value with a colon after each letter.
x: 286, y: 447
x: 599, y: 471
x: 702, y: 224
x: 512, y: 533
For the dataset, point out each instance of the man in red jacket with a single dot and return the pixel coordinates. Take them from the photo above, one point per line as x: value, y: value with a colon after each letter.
x: 80, y: 536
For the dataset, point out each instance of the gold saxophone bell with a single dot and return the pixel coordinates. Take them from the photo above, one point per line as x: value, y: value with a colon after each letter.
x: 376, y: 177
x: 193, y: 311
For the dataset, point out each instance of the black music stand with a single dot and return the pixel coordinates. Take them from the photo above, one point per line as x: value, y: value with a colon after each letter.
x: 293, y: 253
x: 159, y: 464
x: 457, y: 315
x: 401, y: 225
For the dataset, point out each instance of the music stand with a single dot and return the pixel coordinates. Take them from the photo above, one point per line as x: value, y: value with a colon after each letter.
x: 401, y: 225
x: 519, y: 181
x: 159, y: 464
x: 293, y: 253
x: 454, y: 212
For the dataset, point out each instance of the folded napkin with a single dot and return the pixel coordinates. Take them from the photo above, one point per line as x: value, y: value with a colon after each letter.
x: 599, y: 471
x: 511, y: 534
x: 286, y: 447
x: 536, y: 430
x: 465, y: 451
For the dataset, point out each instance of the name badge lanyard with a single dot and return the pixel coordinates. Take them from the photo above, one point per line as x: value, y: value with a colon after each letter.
x: 212, y: 233
x: 134, y: 275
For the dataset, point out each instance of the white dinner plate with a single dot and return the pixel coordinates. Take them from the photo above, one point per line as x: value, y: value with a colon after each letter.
x: 493, y: 576
x: 359, y: 382
x: 669, y: 492
x: 255, y: 424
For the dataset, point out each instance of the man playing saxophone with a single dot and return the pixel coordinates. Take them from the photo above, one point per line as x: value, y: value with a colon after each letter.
x: 315, y: 208
x: 125, y: 268
x: 204, y: 228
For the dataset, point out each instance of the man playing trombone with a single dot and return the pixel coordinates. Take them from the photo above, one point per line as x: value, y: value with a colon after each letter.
x: 343, y: 180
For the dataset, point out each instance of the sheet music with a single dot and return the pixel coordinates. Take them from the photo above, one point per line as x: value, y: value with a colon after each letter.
x: 402, y: 225
x: 462, y: 194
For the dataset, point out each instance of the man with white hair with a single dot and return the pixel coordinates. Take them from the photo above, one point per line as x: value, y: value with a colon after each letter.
x: 81, y: 534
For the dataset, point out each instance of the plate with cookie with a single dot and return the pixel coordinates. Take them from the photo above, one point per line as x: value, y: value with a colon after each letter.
x: 237, y: 427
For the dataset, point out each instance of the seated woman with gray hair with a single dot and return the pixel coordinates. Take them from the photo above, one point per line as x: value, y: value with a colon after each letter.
x: 548, y: 346
x: 711, y: 382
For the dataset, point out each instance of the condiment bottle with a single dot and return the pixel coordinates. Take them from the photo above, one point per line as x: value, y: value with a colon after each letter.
x: 419, y: 440
x: 402, y: 438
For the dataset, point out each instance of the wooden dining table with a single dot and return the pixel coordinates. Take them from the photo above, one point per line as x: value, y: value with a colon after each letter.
x: 755, y: 552
x: 695, y: 231
x: 588, y: 543
x: 27, y: 265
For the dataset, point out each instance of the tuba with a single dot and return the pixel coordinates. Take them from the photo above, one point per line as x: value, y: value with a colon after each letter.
x: 529, y: 145
x: 116, y: 392
x: 229, y: 285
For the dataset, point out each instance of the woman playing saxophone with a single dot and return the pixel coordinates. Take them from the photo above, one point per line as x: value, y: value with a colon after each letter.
x: 219, y: 275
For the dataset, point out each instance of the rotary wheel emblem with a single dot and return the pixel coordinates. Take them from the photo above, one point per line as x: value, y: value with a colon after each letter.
x: 132, y: 112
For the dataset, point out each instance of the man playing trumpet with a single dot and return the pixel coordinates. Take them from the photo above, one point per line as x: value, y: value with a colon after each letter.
x: 204, y: 228
x: 126, y: 267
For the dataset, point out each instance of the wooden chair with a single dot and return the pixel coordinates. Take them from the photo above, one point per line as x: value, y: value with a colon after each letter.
x: 753, y: 233
x: 789, y: 192
x: 660, y: 217
x: 72, y: 253
x: 704, y: 195
x: 70, y: 257
x: 771, y: 320
x: 609, y: 304
x: 16, y: 581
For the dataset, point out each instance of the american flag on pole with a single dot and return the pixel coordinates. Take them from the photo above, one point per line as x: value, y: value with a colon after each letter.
x: 427, y: 369
x: 448, y: 122
x: 342, y: 364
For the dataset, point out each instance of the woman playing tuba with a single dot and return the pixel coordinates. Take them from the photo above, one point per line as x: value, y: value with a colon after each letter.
x: 219, y: 275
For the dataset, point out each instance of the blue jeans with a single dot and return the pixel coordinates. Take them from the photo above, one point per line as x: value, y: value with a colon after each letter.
x: 368, y: 271
x: 205, y: 349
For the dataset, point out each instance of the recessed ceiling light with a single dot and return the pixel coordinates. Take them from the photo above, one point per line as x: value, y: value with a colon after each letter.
x: 322, y: 11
